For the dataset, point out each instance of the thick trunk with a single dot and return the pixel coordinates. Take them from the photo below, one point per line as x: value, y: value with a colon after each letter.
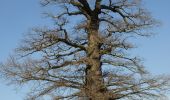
x: 95, y: 88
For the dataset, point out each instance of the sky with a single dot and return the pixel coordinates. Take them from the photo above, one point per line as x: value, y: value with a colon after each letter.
x: 19, y: 16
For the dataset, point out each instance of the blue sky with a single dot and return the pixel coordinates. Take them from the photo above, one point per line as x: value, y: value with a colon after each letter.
x: 18, y: 16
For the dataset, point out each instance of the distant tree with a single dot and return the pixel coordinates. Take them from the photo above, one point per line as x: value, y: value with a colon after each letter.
x: 85, y: 55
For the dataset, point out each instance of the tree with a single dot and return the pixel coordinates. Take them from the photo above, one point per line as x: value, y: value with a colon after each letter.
x: 85, y: 55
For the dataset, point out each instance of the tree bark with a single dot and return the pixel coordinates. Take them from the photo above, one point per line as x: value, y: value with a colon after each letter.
x: 95, y: 88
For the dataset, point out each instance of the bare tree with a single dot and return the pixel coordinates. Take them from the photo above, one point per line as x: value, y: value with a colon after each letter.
x: 85, y: 55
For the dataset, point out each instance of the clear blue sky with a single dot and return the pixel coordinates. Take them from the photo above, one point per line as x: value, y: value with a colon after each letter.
x: 18, y: 16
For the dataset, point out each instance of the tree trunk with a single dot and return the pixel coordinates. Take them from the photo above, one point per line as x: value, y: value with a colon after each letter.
x: 95, y: 88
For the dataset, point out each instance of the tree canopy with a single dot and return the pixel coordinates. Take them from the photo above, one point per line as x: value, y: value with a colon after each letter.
x: 85, y: 55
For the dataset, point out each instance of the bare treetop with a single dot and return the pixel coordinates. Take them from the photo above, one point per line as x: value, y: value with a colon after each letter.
x: 85, y: 55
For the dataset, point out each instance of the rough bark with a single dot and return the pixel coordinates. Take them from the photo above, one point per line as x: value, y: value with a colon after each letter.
x: 95, y: 88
